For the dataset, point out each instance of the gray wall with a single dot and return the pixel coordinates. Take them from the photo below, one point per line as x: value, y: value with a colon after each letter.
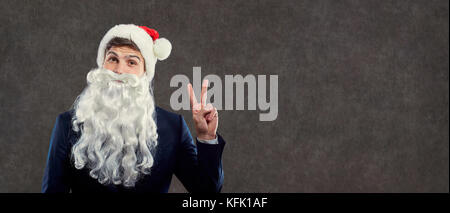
x: 363, y: 86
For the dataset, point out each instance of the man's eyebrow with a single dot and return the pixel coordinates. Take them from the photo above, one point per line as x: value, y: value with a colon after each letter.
x: 112, y: 52
x: 129, y: 56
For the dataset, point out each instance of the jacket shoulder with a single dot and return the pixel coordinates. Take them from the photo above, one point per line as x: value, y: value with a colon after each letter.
x: 168, y: 120
x: 64, y: 121
x: 166, y: 114
x: 65, y: 118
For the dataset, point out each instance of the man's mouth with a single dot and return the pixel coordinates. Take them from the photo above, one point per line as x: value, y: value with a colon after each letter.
x: 119, y: 81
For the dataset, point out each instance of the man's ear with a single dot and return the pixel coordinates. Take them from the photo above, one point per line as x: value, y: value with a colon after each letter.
x: 145, y: 72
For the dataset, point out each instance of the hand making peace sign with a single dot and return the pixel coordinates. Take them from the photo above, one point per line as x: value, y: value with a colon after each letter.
x: 204, y: 115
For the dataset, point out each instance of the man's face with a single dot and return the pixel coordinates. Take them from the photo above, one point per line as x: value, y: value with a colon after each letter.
x: 124, y: 60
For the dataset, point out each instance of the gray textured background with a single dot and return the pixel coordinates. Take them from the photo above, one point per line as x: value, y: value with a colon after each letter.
x: 363, y: 86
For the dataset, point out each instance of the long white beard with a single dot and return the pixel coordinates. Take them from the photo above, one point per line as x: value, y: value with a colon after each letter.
x: 118, y: 127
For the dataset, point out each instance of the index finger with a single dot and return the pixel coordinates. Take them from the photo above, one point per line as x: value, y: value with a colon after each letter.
x: 204, y: 92
x: 192, y: 98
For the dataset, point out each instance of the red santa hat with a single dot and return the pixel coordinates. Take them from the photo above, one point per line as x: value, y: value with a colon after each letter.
x: 150, y: 45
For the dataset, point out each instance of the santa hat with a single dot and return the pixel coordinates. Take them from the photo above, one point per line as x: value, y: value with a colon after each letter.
x: 147, y: 40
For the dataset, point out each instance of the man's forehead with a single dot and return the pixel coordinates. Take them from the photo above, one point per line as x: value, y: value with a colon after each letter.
x: 123, y: 51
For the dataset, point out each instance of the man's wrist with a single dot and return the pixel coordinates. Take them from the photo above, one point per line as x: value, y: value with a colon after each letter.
x: 213, y: 141
x: 207, y: 137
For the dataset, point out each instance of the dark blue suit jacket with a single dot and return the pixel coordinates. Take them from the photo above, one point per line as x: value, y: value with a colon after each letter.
x: 199, y: 168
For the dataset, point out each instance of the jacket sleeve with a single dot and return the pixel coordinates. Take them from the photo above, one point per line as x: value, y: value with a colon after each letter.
x: 199, y: 168
x: 56, y: 177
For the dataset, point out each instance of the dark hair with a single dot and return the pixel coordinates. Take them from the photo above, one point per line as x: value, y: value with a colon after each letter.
x: 121, y: 42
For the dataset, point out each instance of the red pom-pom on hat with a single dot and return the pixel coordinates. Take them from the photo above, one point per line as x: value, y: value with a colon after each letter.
x: 153, y: 33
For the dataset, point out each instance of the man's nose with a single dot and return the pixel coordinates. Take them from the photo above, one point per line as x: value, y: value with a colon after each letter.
x: 116, y: 71
x: 120, y: 68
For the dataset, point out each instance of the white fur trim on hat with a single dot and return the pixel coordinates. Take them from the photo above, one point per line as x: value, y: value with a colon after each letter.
x: 160, y: 49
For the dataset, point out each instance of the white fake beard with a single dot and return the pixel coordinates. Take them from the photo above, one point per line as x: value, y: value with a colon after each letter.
x: 118, y: 127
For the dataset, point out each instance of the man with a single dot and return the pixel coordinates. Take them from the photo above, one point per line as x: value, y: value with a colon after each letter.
x: 115, y: 139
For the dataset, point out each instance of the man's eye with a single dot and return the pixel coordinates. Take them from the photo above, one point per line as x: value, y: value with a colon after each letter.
x: 132, y: 63
x: 112, y: 59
